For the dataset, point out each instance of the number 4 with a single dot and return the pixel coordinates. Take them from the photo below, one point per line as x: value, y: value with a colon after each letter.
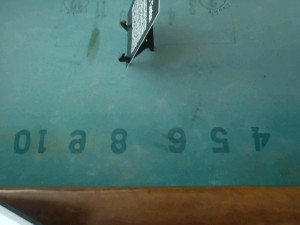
x: 260, y: 139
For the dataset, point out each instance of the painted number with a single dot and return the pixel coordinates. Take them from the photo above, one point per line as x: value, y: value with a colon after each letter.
x: 23, y: 147
x: 42, y: 148
x: 214, y: 136
x: 178, y: 139
x: 118, y: 138
x: 260, y: 139
x: 77, y: 146
x: 23, y: 141
x: 176, y: 136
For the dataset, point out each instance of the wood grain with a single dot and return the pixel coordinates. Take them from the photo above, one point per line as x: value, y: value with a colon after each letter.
x: 176, y: 206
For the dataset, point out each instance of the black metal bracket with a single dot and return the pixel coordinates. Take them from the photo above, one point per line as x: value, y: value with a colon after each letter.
x: 124, y: 25
x: 147, y: 43
x: 124, y: 58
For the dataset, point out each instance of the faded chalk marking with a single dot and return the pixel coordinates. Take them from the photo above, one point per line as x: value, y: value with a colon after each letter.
x: 75, y: 7
x: 192, y: 4
x: 102, y: 9
x: 172, y: 15
x: 215, y: 6
x: 97, y: 10
x: 212, y: 4
x: 123, y: 15
x: 93, y: 44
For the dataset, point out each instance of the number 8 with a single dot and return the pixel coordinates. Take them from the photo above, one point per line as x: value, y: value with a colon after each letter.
x: 178, y: 138
x: 118, y: 138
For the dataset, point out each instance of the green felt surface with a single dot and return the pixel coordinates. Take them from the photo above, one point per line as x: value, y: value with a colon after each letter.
x: 187, y: 111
